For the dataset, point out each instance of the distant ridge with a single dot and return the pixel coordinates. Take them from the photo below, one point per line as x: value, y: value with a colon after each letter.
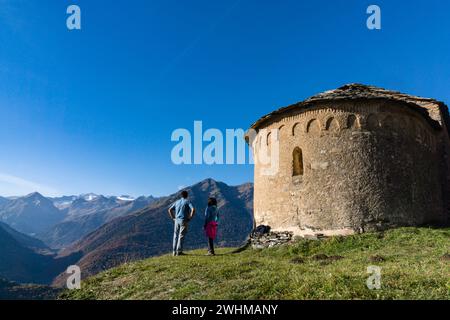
x: 148, y: 232
x: 31, y: 214
x: 61, y: 221
x: 87, y: 213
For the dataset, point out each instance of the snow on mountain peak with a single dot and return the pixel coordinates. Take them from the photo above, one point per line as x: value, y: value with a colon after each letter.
x: 126, y: 198
x: 89, y: 196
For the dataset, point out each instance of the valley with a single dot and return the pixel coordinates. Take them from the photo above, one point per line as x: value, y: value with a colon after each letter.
x: 40, y: 237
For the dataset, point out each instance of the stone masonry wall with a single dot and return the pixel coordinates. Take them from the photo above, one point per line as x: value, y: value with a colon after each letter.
x: 366, y: 165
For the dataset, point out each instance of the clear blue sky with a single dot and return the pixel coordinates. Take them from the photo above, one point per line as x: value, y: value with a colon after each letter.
x: 93, y: 110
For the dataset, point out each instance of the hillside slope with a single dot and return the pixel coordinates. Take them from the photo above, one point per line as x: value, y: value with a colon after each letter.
x: 22, y: 260
x: 149, y: 232
x: 3, y: 201
x: 26, y: 241
x: 415, y: 264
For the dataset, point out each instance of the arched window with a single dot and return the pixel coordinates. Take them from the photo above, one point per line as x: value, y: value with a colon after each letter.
x: 297, y: 162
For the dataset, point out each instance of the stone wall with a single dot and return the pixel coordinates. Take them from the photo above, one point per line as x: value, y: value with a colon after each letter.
x: 365, y: 165
x: 268, y: 239
x: 439, y: 112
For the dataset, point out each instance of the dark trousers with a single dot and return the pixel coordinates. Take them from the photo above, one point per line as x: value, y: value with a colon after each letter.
x: 211, y: 245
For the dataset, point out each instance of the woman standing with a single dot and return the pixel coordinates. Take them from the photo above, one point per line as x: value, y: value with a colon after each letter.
x: 210, y: 226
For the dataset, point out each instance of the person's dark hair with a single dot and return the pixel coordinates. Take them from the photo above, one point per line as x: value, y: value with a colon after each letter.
x: 212, y: 202
x: 184, y: 194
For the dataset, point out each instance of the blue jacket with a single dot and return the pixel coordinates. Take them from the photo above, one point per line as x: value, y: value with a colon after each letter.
x: 211, y: 214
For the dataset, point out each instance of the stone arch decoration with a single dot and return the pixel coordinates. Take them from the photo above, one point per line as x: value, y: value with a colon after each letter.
x: 415, y: 129
x: 261, y: 140
x: 268, y: 138
x: 372, y: 122
x: 388, y: 122
x: 297, y: 162
x: 427, y: 139
x: 351, y: 121
x: 420, y: 132
x: 403, y: 123
x: 332, y: 124
x: 281, y: 129
x: 295, y: 128
x: 313, y: 126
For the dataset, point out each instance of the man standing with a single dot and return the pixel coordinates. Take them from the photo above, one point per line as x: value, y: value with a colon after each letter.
x: 181, y: 212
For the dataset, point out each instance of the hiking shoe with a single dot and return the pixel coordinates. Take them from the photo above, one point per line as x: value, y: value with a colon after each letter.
x: 181, y: 254
x: 174, y: 254
x: 210, y: 254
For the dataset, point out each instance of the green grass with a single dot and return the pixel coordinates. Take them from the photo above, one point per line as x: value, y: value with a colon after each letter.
x: 412, y: 262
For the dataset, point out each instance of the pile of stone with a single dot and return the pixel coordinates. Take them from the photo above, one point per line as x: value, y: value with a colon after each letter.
x: 262, y: 238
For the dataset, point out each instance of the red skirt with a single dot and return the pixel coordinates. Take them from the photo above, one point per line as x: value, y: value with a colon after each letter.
x: 211, y: 229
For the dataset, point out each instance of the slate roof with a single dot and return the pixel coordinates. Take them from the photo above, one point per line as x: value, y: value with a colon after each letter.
x: 429, y: 108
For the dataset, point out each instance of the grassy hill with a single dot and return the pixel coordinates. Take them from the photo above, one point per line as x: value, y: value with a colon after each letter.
x: 415, y: 264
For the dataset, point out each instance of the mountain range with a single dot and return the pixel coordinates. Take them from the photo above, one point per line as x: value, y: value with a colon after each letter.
x: 30, y: 214
x: 97, y: 232
x: 62, y: 221
x: 84, y: 215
